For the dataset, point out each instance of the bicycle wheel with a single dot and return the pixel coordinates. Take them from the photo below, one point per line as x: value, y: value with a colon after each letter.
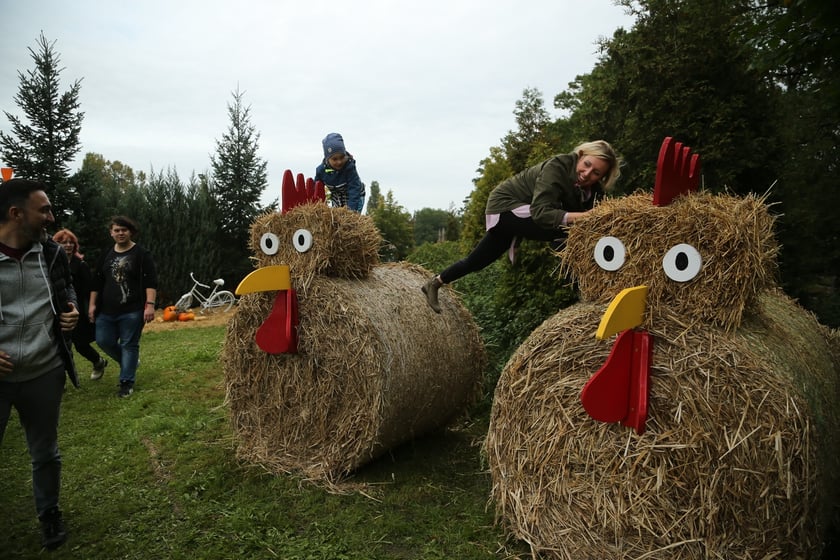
x: 221, y: 301
x: 184, y: 303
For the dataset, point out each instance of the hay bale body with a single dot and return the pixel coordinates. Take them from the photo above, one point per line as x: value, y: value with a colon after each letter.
x: 740, y: 454
x: 375, y: 368
x: 738, y: 459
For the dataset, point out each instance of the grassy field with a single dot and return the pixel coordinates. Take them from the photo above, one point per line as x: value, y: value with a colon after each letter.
x: 155, y: 476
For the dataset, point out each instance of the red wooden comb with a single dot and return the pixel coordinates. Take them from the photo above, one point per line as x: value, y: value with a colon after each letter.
x: 305, y: 190
x: 677, y: 172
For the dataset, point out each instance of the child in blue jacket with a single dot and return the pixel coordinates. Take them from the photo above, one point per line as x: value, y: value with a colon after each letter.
x: 339, y: 175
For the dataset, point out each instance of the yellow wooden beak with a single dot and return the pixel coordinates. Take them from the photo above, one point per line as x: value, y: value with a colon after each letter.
x: 626, y: 311
x: 266, y: 279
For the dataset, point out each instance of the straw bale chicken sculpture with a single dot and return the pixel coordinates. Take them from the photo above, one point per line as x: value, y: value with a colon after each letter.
x: 706, y: 427
x: 330, y: 360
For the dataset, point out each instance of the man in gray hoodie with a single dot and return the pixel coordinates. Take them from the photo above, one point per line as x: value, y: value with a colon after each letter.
x: 38, y: 311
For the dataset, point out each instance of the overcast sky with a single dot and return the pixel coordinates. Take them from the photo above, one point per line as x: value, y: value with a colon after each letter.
x: 419, y: 90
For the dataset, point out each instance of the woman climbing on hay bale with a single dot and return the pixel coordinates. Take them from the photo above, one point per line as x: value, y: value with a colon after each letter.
x: 735, y: 454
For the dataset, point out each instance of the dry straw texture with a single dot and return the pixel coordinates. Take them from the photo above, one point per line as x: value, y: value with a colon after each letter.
x: 739, y: 459
x: 375, y: 366
x: 734, y: 236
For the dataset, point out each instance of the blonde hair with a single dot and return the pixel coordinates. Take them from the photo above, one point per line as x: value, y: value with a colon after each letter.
x: 601, y: 149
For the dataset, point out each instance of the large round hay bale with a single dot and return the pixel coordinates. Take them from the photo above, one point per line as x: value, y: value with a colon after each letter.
x: 375, y: 367
x: 739, y: 459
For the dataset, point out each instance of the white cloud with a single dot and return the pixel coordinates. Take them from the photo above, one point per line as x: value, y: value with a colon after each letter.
x: 420, y: 91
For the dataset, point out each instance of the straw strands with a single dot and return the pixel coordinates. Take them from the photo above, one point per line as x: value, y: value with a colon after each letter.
x: 734, y: 235
x: 739, y: 459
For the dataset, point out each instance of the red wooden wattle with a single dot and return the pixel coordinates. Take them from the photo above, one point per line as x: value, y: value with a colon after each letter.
x: 278, y: 333
x: 618, y: 392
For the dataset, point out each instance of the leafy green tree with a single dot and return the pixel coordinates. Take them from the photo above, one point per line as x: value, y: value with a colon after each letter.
x: 396, y: 227
x: 798, y: 49
x: 88, y: 222
x: 532, y: 120
x: 453, y: 224
x: 43, y: 143
x: 239, y: 178
x: 493, y: 170
x: 375, y: 199
x: 102, y: 189
x: 432, y: 225
x: 682, y: 71
x: 797, y: 45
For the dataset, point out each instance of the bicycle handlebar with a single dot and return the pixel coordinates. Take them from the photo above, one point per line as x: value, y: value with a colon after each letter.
x: 198, y: 283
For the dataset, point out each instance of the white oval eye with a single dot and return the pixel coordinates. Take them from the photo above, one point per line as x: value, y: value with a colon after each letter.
x: 682, y: 262
x: 610, y: 253
x: 269, y: 243
x: 302, y: 240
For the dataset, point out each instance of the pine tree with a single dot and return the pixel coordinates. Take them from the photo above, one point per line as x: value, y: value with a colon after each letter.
x: 239, y: 178
x: 42, y: 145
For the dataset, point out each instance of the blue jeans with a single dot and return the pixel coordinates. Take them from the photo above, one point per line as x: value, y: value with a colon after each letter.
x: 38, y: 402
x: 119, y: 337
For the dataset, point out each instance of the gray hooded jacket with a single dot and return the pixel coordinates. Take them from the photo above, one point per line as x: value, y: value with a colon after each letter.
x: 33, y: 291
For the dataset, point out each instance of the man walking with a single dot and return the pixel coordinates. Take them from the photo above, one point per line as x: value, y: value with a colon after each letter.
x: 122, y: 299
x: 37, y: 316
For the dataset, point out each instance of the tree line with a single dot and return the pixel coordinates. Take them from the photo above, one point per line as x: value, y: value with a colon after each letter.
x: 752, y: 85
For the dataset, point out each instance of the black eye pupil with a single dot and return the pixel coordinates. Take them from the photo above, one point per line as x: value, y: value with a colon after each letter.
x: 682, y: 261
x: 609, y: 253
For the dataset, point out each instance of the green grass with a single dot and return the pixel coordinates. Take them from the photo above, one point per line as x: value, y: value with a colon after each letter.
x: 155, y: 476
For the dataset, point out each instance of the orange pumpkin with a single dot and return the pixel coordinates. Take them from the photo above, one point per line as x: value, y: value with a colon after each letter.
x: 169, y: 313
x: 186, y: 316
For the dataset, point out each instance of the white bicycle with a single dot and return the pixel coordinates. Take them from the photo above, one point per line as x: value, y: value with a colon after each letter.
x: 217, y: 301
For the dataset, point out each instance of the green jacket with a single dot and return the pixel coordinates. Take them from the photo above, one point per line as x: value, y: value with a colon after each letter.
x: 548, y: 189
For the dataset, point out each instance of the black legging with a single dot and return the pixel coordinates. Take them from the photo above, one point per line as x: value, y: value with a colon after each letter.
x: 82, y: 337
x: 496, y: 242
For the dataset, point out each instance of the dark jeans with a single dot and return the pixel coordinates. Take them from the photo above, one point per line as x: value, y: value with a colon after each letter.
x: 119, y: 337
x: 38, y: 402
x: 496, y: 242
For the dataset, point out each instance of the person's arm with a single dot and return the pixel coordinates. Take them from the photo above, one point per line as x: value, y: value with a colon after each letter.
x: 149, y: 307
x: 96, y: 285
x: 571, y: 217
x: 91, y: 310
x: 547, y: 208
x: 355, y: 191
x: 150, y: 286
x: 67, y: 318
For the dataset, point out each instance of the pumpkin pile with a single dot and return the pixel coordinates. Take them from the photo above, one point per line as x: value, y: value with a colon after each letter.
x: 171, y: 313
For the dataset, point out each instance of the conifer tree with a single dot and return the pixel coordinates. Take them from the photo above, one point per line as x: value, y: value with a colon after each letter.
x: 239, y: 178
x: 45, y: 139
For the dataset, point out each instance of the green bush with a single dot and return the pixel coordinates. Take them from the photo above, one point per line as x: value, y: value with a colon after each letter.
x: 508, y: 301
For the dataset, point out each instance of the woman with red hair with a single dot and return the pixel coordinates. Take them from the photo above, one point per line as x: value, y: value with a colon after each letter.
x: 84, y: 333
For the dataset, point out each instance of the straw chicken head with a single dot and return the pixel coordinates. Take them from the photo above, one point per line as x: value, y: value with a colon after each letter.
x: 293, y: 248
x: 672, y: 257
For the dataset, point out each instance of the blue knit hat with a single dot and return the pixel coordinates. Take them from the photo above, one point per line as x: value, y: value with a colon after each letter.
x: 333, y: 144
